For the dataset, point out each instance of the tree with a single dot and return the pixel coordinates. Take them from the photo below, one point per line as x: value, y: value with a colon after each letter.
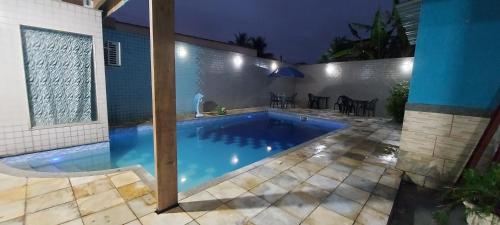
x: 241, y: 39
x: 258, y: 43
x: 387, y: 39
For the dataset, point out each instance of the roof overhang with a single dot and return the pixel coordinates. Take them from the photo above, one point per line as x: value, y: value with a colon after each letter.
x: 108, y: 6
x: 409, y: 12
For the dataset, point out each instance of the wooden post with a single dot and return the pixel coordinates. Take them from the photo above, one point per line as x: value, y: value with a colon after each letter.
x: 161, y: 22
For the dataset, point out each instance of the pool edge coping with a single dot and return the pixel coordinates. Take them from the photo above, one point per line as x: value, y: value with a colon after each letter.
x: 150, y: 180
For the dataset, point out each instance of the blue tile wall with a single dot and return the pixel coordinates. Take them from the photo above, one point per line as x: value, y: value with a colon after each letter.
x: 204, y: 70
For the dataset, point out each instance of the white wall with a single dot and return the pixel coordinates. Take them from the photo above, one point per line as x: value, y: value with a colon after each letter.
x: 364, y: 80
x: 16, y: 134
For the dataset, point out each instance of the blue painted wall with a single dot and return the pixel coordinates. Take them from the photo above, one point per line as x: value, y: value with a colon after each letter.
x: 128, y: 87
x: 200, y: 70
x: 457, y: 59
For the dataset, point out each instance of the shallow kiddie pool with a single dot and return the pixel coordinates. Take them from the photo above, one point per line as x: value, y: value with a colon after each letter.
x: 207, y: 148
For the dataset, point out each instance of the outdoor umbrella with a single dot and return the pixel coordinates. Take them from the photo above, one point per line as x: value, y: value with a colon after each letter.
x: 287, y: 72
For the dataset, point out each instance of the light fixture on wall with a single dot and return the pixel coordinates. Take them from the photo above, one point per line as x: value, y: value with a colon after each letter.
x: 407, y: 66
x: 274, y: 66
x: 234, y: 159
x: 182, y: 52
x: 332, y: 70
x: 237, y: 61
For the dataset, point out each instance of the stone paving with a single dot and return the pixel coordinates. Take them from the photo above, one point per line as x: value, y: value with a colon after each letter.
x: 346, y: 177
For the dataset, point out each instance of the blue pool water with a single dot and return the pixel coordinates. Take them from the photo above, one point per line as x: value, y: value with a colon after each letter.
x: 207, y: 148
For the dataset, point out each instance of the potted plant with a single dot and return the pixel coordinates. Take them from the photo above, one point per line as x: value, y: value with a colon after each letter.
x: 221, y: 110
x: 397, y: 101
x: 480, y: 193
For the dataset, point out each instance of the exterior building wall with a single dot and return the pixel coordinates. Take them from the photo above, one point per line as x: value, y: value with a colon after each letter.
x: 17, y: 136
x: 453, y: 90
x: 363, y: 80
x: 203, y: 70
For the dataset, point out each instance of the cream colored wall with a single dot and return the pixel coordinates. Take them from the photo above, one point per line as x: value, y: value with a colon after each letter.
x: 16, y: 134
x: 434, y: 147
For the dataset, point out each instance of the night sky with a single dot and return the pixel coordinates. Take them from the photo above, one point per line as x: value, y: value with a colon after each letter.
x: 299, y: 30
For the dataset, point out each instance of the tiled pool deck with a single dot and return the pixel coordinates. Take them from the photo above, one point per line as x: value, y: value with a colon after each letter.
x: 346, y: 177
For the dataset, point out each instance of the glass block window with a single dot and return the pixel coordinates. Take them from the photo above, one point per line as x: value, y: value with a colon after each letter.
x: 59, y: 76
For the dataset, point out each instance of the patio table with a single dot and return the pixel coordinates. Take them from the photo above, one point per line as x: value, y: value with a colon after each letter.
x: 321, y: 101
x: 358, y: 104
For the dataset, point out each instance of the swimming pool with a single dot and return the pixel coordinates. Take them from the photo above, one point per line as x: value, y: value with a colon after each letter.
x: 207, y: 148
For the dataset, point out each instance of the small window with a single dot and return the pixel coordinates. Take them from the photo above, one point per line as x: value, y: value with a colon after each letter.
x: 112, y: 53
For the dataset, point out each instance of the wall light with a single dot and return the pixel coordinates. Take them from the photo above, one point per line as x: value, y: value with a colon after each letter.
x: 332, y: 70
x: 274, y: 66
x: 238, y: 61
x: 234, y: 159
x: 407, y: 66
x: 269, y: 148
x: 182, y: 51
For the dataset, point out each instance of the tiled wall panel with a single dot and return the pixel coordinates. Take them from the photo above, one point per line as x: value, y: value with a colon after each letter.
x: 16, y: 134
x: 435, y: 146
x: 198, y: 69
x: 364, y: 80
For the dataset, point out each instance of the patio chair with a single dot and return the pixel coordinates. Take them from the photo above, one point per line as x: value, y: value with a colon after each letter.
x: 275, y: 100
x: 313, y: 100
x: 290, y: 100
x: 370, y: 107
x: 341, y: 103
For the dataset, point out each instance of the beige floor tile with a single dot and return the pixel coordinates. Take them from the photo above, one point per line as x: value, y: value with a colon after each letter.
x: 285, y: 181
x: 172, y: 217
x: 248, y: 204
x: 386, y: 192
x: 334, y: 174
x: 75, y: 181
x: 275, y: 216
x: 199, y: 204
x: 124, y: 178
x: 134, y: 190
x: 48, y: 200
x: 299, y: 173
x: 55, y: 215
x: 143, y: 205
x: 16, y: 221
x: 311, y: 190
x: 117, y: 215
x: 390, y: 181
x: 264, y: 172
x: 11, y: 210
x: 368, y: 216
x: 39, y: 186
x: 13, y: 194
x: 380, y: 204
x: 226, y: 191
x: 322, y: 216
x: 342, y: 206
x: 279, y: 164
x: 222, y: 215
x: 78, y: 221
x: 361, y: 183
x: 269, y: 191
x: 298, y: 204
x: 193, y: 223
x: 313, y: 167
x: 323, y: 182
x: 247, y: 180
x: 350, y: 192
x: 92, y: 188
x: 135, y: 222
x: 373, y: 168
x: 375, y: 177
x: 98, y: 202
x: 10, y: 182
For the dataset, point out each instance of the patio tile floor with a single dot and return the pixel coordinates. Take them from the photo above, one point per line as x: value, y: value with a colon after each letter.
x: 341, y: 178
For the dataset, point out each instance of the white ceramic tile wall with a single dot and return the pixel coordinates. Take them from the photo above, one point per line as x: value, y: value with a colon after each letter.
x: 16, y: 134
